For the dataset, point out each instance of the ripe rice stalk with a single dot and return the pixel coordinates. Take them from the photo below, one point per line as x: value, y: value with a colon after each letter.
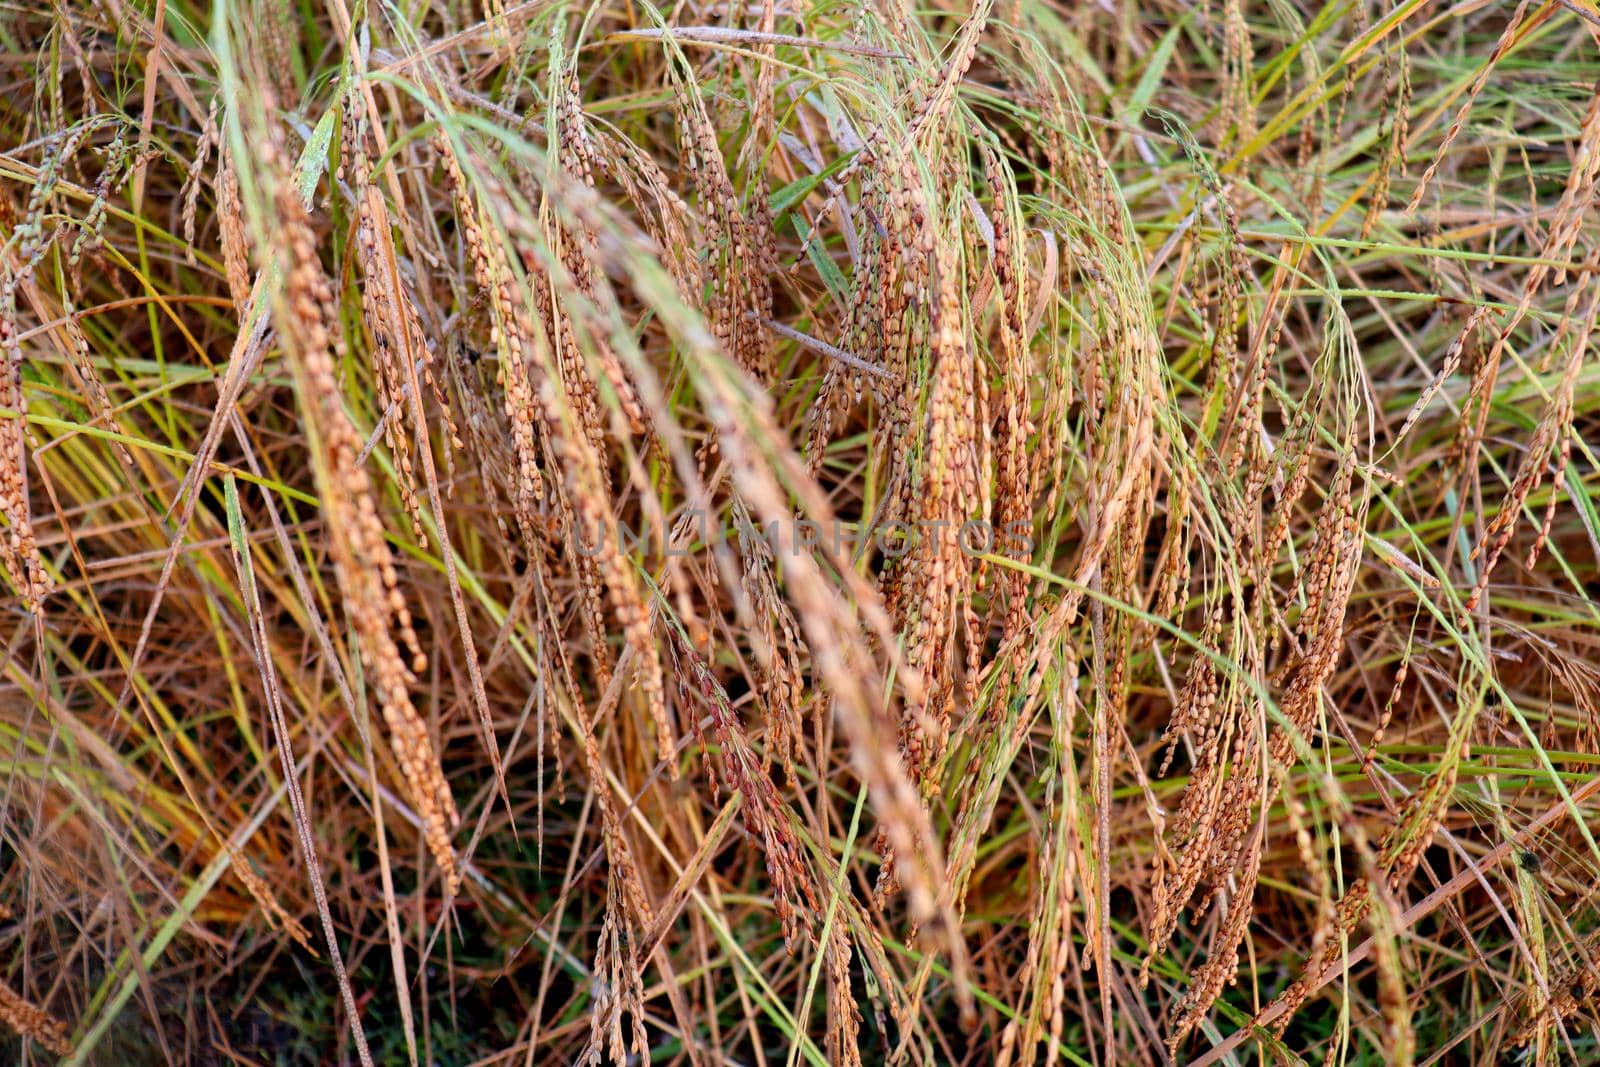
x: 1397, y: 110
x: 1238, y: 112
x: 553, y: 408
x: 741, y: 294
x: 1014, y: 483
x: 33, y: 1023
x: 391, y: 320
x: 509, y: 333
x: 778, y: 646
x: 619, y: 959
x: 581, y: 158
x: 230, y: 226
x: 1051, y: 925
x: 190, y: 193
x: 1514, y: 25
x: 844, y: 1012
x: 26, y: 247
x: 936, y: 566
x: 737, y: 769
x: 375, y: 604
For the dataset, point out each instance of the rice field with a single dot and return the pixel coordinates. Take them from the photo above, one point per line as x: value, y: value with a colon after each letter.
x: 776, y: 532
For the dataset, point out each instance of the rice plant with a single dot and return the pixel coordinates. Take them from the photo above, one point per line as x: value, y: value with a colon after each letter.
x: 830, y: 532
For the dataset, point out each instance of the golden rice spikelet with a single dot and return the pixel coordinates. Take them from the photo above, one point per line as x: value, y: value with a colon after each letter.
x: 842, y: 1042
x: 741, y: 287
x: 876, y: 277
x: 940, y: 95
x: 374, y: 603
x: 112, y: 175
x: 401, y: 357
x: 33, y: 1023
x: 628, y: 604
x: 1212, y: 831
x: 1565, y: 229
x: 595, y: 537
x: 230, y: 226
x: 1222, y: 965
x: 1508, y: 37
x: 778, y: 645
x: 1050, y: 927
x: 189, y: 195
x: 619, y: 970
x: 940, y: 570
x: 577, y: 385
x: 1327, y: 584
x: 665, y: 216
x: 621, y: 987
x: 1549, y: 451
x: 580, y: 158
x: 509, y: 333
x: 1396, y: 116
x: 1211, y: 717
x: 543, y: 417
x: 262, y: 893
x: 1238, y: 113
x: 843, y: 666
x: 1014, y: 485
x: 94, y: 389
x: 19, y: 550
x: 737, y: 769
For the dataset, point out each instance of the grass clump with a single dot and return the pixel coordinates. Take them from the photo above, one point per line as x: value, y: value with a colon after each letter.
x: 767, y: 533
